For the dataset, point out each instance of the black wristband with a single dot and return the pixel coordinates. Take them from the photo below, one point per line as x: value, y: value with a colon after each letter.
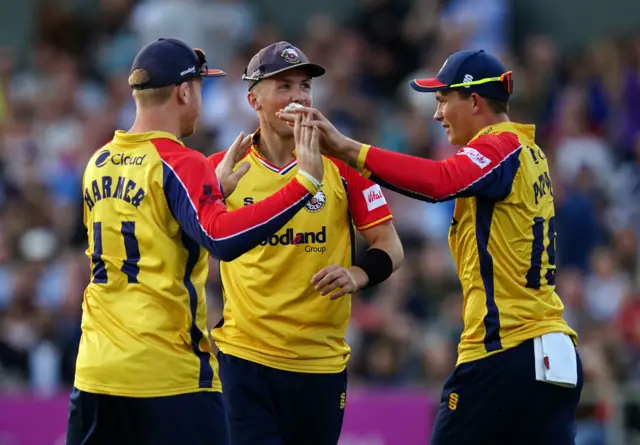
x: 377, y: 264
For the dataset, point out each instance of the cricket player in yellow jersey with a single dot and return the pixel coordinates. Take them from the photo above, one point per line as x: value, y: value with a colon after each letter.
x: 287, y: 302
x: 146, y: 373
x: 518, y: 378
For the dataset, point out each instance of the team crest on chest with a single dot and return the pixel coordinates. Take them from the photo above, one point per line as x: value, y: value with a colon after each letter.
x: 317, y: 202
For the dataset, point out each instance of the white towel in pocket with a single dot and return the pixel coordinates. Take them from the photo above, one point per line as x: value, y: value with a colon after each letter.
x: 555, y: 359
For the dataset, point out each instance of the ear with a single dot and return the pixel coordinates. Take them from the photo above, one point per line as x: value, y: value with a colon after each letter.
x: 183, y: 92
x: 475, y: 99
x: 253, y: 100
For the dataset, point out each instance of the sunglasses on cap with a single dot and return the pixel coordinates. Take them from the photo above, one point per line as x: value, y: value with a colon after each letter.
x: 506, y: 79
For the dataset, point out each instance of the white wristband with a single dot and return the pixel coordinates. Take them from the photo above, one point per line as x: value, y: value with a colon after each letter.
x: 317, y: 184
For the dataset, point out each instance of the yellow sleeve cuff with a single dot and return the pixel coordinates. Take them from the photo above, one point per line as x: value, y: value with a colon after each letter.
x: 306, y: 183
x: 362, y: 156
x: 374, y: 223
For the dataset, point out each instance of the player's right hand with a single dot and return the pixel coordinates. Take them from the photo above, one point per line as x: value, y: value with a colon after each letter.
x: 307, y: 141
x: 332, y: 141
x: 225, y: 172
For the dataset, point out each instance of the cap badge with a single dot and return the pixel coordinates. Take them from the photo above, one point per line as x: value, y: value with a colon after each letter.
x: 290, y: 56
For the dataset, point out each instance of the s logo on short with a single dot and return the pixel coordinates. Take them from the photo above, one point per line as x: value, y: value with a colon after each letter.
x: 317, y: 202
x: 453, y: 401
x: 102, y: 158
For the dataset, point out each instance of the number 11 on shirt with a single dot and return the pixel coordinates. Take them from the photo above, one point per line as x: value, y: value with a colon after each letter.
x: 131, y: 247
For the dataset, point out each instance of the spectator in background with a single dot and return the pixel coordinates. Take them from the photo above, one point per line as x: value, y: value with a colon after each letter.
x: 625, y: 209
x: 579, y: 148
x: 577, y: 220
x: 628, y: 114
x: 485, y: 24
x: 606, y: 287
x: 389, y: 57
x: 223, y: 114
x: 216, y: 27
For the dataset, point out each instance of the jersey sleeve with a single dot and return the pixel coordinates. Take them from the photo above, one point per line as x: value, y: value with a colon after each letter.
x: 486, y: 168
x: 216, y: 158
x: 367, y: 204
x: 192, y: 192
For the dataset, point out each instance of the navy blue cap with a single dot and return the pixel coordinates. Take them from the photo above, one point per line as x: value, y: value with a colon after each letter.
x: 276, y: 58
x: 170, y: 61
x: 471, y: 71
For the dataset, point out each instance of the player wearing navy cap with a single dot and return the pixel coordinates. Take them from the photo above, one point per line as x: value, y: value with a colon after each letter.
x: 518, y: 378
x: 282, y: 342
x: 154, y: 212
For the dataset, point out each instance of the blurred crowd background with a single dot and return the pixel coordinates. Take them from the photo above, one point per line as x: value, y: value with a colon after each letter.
x: 63, y: 98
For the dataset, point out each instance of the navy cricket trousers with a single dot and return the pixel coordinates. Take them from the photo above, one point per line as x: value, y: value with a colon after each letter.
x: 498, y: 401
x: 269, y: 406
x: 195, y: 419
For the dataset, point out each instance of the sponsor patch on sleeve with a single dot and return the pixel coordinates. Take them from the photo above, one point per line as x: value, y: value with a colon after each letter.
x: 374, y: 197
x: 476, y: 157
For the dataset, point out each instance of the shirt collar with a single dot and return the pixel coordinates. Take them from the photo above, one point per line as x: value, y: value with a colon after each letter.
x: 122, y: 137
x: 525, y: 131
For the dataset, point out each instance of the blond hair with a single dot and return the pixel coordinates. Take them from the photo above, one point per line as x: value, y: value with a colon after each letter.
x: 151, y: 96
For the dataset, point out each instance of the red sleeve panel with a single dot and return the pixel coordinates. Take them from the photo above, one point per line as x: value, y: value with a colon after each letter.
x: 216, y: 158
x: 367, y: 203
x: 191, y: 190
x: 485, y: 168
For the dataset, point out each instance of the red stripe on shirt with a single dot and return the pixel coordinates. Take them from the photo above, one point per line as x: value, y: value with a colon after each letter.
x: 196, y: 202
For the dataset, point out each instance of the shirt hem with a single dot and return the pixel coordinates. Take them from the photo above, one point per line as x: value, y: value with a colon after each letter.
x: 284, y: 364
x: 137, y: 393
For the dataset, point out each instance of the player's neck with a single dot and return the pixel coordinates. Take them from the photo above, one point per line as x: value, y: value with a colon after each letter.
x: 275, y: 149
x: 488, y: 120
x: 154, y: 120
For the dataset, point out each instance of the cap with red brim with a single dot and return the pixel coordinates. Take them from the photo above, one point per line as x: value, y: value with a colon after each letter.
x: 431, y: 84
x: 472, y: 71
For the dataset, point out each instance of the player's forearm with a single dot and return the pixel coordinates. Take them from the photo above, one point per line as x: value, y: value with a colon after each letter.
x: 393, y: 247
x: 236, y: 232
x: 418, y: 178
x: 384, y: 256
x: 361, y: 276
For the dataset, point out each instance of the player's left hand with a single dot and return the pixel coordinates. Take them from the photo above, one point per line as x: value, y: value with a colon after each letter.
x: 342, y: 281
x: 225, y: 172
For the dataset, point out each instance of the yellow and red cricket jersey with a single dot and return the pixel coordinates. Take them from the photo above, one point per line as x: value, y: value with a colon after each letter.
x: 272, y: 314
x: 154, y: 213
x: 502, y: 235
